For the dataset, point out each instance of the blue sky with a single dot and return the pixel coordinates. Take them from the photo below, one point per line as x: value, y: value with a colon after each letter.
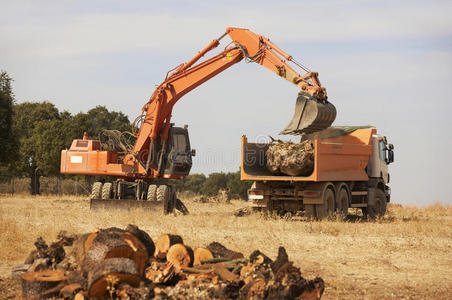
x: 384, y: 63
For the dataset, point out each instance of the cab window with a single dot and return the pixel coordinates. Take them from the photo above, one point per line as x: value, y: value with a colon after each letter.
x: 382, y: 148
x: 179, y: 142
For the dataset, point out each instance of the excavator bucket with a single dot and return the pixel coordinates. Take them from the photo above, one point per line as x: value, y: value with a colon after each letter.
x: 310, y: 115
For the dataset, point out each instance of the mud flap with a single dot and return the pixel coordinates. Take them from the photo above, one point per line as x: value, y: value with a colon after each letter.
x: 311, y: 115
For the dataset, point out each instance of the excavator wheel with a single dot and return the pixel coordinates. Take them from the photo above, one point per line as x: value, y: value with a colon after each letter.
x: 96, y: 190
x: 152, y: 192
x: 107, y: 190
x: 311, y: 115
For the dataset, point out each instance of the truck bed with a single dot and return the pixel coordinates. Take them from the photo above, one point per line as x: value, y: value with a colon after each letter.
x: 342, y: 158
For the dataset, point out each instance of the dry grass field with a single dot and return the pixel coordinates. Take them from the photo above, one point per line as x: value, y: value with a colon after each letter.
x: 406, y: 255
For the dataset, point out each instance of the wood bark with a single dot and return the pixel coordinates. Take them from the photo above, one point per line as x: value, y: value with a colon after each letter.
x: 164, y: 242
x: 143, y: 237
x: 218, y: 250
x: 35, y: 284
x: 109, y: 273
x: 115, y: 243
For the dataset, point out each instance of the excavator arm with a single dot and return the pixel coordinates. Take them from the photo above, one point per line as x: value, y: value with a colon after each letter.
x: 312, y: 112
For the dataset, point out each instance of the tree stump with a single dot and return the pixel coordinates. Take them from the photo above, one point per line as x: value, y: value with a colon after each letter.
x: 218, y: 250
x: 201, y: 254
x: 109, y: 274
x: 164, y: 242
x: 34, y: 284
x: 179, y: 256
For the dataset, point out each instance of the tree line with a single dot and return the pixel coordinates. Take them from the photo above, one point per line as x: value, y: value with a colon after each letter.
x: 32, y: 135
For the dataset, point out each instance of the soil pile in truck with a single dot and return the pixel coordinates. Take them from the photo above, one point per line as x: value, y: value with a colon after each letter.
x: 289, y: 158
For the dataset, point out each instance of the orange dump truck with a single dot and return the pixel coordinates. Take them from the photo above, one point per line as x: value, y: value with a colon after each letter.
x: 350, y: 171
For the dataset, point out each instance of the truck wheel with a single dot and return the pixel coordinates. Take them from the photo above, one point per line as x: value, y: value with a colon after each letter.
x: 326, y: 210
x: 342, y: 202
x: 377, y: 206
x: 106, y: 190
x: 152, y: 192
x: 96, y: 190
x: 309, y: 211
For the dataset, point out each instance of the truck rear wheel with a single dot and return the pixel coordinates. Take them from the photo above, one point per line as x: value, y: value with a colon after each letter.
x: 326, y: 210
x: 342, y: 202
x: 377, y: 206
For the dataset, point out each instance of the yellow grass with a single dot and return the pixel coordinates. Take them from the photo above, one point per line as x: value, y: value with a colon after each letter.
x: 407, y: 254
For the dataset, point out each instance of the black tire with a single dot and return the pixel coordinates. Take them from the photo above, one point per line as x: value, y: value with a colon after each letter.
x: 163, y: 195
x: 152, y: 192
x: 96, y: 190
x: 107, y: 190
x: 309, y: 211
x: 342, y: 201
x: 378, y: 207
x: 326, y: 210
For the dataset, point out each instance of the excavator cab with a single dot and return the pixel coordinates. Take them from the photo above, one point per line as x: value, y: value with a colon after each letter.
x: 310, y: 115
x: 179, y: 159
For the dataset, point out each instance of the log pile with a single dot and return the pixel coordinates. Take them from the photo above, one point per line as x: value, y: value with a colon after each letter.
x: 126, y: 264
x: 294, y: 159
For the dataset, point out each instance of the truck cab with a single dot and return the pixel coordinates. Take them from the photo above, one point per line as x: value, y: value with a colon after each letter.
x: 382, y: 156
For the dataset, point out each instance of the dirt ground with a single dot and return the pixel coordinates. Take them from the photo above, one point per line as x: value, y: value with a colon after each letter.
x: 406, y: 255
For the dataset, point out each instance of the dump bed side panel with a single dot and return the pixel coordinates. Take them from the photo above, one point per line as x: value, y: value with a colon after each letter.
x: 336, y: 159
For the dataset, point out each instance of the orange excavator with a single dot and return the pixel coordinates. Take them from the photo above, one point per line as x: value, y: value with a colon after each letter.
x: 158, y: 149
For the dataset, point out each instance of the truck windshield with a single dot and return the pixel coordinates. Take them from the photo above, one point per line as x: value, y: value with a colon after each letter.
x: 382, y: 148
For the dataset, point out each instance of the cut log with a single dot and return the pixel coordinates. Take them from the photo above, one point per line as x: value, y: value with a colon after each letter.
x: 69, y: 291
x: 34, y: 284
x: 109, y: 273
x: 259, y: 258
x: 140, y: 253
x: 115, y: 243
x: 143, y: 237
x: 178, y: 256
x: 201, y: 254
x: 225, y: 274
x: 218, y: 250
x: 164, y: 242
x: 294, y: 159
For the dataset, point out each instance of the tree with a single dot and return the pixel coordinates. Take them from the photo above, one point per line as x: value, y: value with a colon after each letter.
x: 237, y: 186
x: 214, y: 183
x: 7, y: 139
x: 97, y: 119
x: 43, y: 132
x: 29, y: 119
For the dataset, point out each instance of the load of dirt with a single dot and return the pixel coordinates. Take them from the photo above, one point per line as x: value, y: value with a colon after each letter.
x: 289, y: 158
x: 114, y: 263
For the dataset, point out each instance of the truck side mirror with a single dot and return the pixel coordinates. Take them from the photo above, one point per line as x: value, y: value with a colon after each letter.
x: 390, y: 156
x: 193, y: 152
